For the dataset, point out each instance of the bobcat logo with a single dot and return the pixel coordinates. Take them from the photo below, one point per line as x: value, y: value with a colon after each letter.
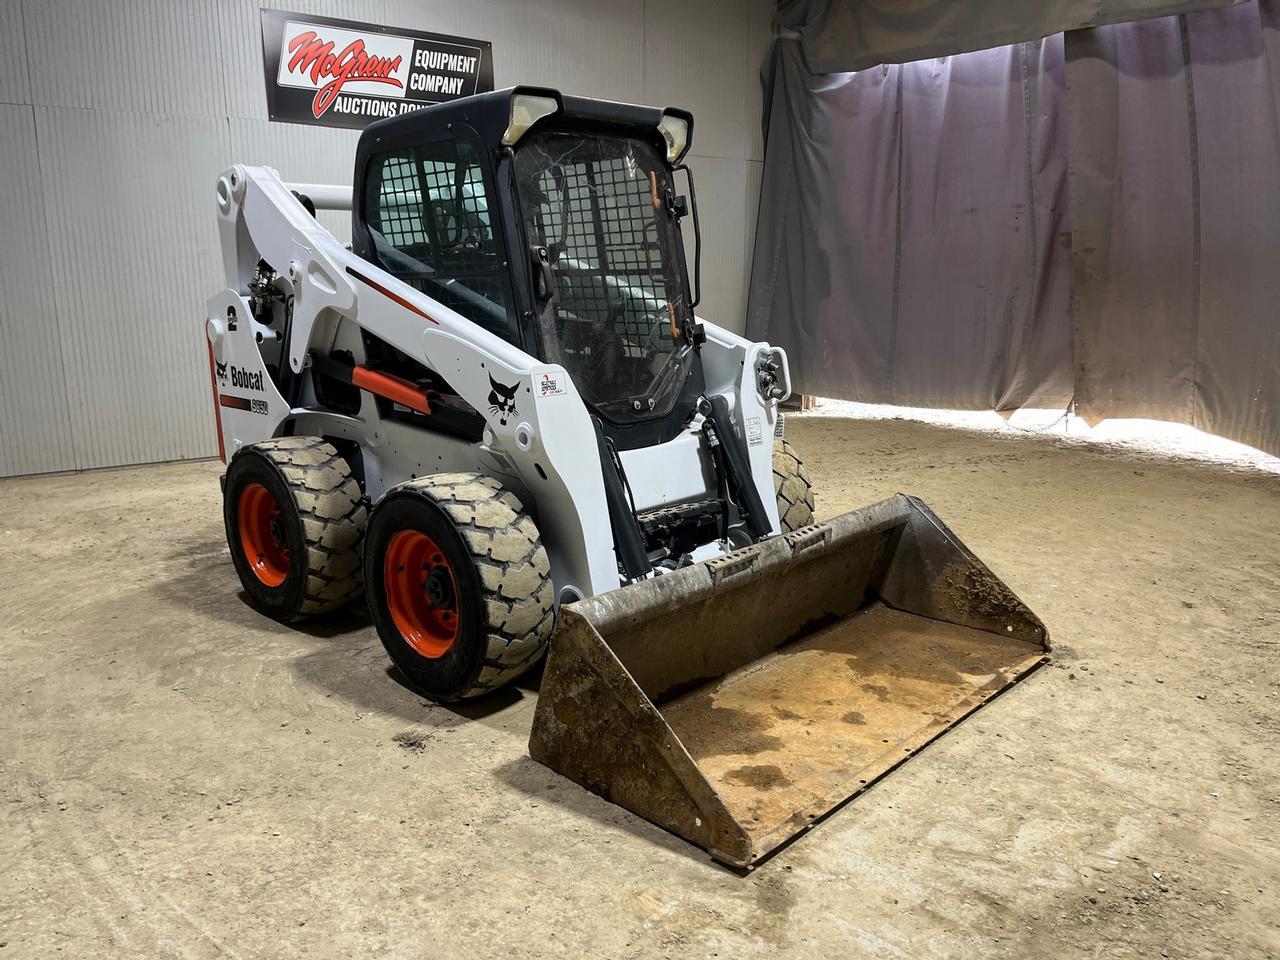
x: 502, y: 399
x: 222, y: 371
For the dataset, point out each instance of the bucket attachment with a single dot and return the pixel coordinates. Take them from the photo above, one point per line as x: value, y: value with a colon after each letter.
x: 736, y: 701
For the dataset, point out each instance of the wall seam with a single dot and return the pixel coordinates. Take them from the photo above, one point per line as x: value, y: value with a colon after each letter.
x: 784, y: 204
x: 219, y: 12
x: 48, y: 242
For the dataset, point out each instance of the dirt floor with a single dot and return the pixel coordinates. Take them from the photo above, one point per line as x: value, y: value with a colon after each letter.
x: 182, y: 777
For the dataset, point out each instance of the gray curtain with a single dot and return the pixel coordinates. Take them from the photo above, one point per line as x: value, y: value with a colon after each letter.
x: 1037, y: 222
x: 1175, y: 202
x: 846, y: 35
x: 911, y: 245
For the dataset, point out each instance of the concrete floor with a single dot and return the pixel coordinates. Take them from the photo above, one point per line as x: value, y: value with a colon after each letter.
x: 183, y: 778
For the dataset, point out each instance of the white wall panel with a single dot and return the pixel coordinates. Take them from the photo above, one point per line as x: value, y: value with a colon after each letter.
x: 759, y: 45
x: 142, y: 56
x: 722, y: 187
x: 501, y: 22
x: 135, y: 256
x: 300, y: 155
x: 14, y: 87
x: 755, y: 177
x: 34, y: 426
x: 139, y: 105
x: 593, y: 48
x: 693, y: 58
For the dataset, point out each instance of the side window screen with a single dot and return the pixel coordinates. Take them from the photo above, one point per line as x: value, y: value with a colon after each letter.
x: 399, y: 209
x: 427, y: 211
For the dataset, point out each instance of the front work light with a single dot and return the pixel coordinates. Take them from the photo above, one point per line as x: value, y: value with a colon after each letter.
x: 675, y: 130
x: 526, y: 110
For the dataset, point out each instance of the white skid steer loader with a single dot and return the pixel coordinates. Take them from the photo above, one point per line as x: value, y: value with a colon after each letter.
x: 496, y: 418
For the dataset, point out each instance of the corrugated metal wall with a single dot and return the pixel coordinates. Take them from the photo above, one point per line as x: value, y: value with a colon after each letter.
x: 117, y: 115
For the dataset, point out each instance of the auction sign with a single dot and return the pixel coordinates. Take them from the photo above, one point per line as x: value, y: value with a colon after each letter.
x: 338, y: 73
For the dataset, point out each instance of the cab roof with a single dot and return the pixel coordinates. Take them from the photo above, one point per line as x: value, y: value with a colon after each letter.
x: 489, y: 113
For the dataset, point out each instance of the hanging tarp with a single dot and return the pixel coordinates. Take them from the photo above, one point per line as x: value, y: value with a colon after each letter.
x: 911, y: 244
x: 1035, y: 223
x: 1175, y: 203
x: 839, y: 36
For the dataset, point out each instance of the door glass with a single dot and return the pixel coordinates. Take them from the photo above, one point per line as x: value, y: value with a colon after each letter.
x: 616, y: 322
x: 428, y: 212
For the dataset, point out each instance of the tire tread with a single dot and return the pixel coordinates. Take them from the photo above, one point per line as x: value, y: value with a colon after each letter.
x: 334, y: 516
x: 792, y: 487
x: 514, y: 573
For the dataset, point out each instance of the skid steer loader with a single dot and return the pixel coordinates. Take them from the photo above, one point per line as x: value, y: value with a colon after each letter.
x: 497, y: 419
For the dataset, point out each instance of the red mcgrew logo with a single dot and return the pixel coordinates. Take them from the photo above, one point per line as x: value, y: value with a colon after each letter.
x: 311, y: 54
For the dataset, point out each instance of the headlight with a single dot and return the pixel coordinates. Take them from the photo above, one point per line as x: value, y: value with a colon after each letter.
x: 675, y: 130
x: 526, y: 110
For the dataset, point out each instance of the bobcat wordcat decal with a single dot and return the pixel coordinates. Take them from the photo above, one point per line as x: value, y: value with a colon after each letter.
x: 244, y: 379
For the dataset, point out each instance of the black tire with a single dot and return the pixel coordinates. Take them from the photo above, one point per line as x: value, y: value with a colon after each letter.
x: 792, y: 487
x: 470, y: 561
x: 310, y: 561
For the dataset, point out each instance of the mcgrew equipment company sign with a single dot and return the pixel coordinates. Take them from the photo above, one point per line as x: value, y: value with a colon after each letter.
x: 338, y: 73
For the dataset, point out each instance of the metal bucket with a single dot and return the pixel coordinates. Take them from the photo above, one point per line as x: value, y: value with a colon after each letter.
x: 737, y: 701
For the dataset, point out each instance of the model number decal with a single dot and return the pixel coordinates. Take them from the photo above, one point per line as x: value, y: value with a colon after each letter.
x: 247, y: 404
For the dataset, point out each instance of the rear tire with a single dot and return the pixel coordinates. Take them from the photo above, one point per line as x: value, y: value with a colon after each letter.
x: 295, y: 518
x: 459, y: 584
x: 792, y: 487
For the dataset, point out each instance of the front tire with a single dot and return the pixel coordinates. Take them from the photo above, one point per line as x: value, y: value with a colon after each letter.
x: 295, y: 518
x: 792, y: 487
x: 459, y: 584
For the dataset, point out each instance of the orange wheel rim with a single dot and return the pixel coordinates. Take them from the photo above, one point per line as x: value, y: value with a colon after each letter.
x: 422, y: 593
x: 262, y: 534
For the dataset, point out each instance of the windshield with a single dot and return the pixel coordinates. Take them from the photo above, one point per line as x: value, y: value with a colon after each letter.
x: 616, y: 320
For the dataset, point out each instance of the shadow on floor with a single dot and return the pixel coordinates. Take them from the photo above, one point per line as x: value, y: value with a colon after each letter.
x: 347, y: 659
x: 546, y: 786
x: 353, y: 665
x: 198, y: 577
